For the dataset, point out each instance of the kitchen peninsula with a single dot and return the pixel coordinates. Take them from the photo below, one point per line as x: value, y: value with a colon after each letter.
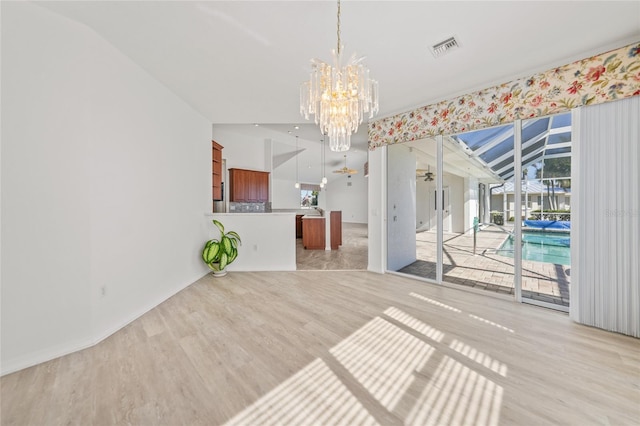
x: 269, y: 239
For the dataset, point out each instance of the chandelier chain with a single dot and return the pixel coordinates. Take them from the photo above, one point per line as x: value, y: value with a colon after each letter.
x: 340, y: 95
x: 338, y: 31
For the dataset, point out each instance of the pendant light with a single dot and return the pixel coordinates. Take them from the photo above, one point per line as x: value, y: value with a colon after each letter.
x: 323, y: 155
x: 297, y: 185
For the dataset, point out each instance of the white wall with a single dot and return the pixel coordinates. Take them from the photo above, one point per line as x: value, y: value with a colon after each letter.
x: 471, y: 204
x: 105, y: 178
x: 285, y: 194
x: 240, y: 150
x: 351, y: 200
x: 425, y: 207
x: 46, y: 292
x: 377, y: 214
x: 401, y: 207
x: 268, y: 240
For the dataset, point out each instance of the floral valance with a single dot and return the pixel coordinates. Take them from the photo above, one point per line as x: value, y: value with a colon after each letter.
x: 602, y: 78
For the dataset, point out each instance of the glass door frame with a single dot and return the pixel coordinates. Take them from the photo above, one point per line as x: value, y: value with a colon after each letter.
x: 517, y: 231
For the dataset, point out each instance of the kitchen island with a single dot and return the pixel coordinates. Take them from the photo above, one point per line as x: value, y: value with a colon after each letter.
x: 313, y: 232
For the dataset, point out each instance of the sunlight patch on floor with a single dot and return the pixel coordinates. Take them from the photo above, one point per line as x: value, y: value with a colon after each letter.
x: 383, y: 358
x: 486, y: 321
x: 479, y: 357
x: 457, y: 394
x: 414, y: 323
x: 434, y: 302
x: 314, y: 395
x: 390, y: 362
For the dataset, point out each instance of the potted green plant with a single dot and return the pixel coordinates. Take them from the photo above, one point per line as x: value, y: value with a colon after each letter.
x: 497, y: 217
x: 219, y: 253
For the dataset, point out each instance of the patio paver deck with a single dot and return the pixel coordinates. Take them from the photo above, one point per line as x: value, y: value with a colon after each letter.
x: 487, y: 270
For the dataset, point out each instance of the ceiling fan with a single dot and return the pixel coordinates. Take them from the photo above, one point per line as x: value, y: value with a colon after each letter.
x: 345, y: 169
x: 426, y: 174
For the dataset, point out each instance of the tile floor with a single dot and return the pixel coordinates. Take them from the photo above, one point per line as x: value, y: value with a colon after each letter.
x: 352, y: 254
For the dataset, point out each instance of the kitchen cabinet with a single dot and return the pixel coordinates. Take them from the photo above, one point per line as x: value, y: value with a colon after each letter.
x: 261, y: 183
x: 216, y: 171
x: 248, y: 186
x: 313, y: 233
x: 299, y: 225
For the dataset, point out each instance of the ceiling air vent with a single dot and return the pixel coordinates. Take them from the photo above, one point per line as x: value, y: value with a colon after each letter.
x: 444, y: 47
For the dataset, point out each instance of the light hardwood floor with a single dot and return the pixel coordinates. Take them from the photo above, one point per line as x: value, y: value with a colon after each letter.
x: 321, y: 347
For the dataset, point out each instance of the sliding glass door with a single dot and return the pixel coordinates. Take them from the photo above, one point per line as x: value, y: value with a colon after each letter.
x: 491, y: 209
x: 472, y: 163
x: 546, y: 210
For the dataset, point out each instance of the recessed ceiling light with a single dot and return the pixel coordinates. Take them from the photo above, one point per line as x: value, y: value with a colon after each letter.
x: 296, y: 127
x: 256, y: 124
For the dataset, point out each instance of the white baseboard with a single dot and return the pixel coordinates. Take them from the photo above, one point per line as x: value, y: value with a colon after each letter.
x: 44, y: 355
x: 38, y: 357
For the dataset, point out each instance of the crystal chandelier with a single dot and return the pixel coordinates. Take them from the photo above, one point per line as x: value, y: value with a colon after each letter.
x: 339, y: 96
x: 323, y: 181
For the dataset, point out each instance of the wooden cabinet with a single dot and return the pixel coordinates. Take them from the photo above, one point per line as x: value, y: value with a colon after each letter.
x: 336, y: 229
x: 262, y: 186
x: 299, y: 225
x: 313, y: 233
x: 238, y: 185
x: 216, y: 171
x: 248, y: 186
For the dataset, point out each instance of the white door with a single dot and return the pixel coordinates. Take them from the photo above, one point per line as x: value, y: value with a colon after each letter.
x: 401, y: 207
x: 446, y: 213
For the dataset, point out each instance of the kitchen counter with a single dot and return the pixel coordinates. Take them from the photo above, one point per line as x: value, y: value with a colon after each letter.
x: 214, y: 215
x: 312, y: 216
x: 302, y: 212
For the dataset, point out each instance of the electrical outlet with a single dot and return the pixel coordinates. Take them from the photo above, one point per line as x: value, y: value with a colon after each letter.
x: 103, y: 291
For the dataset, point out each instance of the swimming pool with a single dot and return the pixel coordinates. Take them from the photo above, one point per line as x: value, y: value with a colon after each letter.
x: 547, y: 247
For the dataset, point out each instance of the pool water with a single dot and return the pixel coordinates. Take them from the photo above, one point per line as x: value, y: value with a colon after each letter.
x: 547, y: 247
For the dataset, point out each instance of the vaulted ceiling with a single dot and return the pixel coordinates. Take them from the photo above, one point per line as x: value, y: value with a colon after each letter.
x: 241, y: 62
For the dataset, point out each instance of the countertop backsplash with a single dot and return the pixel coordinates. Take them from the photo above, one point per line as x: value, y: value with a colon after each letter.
x: 236, y: 207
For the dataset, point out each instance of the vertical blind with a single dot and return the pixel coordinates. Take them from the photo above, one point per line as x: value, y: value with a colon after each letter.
x: 605, y: 239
